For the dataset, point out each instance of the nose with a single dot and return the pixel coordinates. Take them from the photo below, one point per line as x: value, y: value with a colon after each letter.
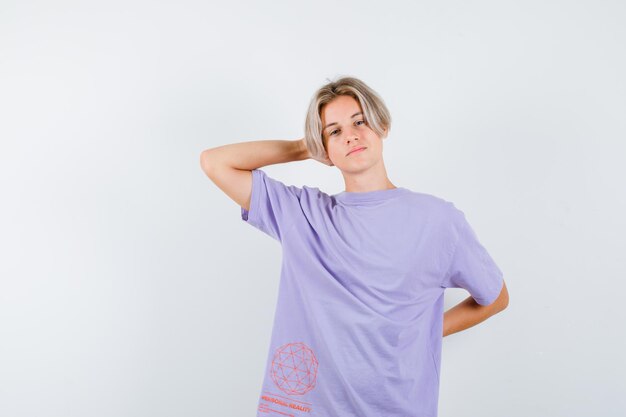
x: 351, y: 134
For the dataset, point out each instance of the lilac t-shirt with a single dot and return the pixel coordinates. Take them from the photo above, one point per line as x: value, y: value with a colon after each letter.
x: 358, y: 322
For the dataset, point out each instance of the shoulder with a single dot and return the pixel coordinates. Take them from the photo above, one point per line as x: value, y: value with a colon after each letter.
x: 440, y: 212
x: 315, y: 194
x: 262, y: 180
x: 432, y: 202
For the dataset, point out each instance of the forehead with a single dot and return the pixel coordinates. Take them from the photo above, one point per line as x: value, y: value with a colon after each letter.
x: 340, y: 109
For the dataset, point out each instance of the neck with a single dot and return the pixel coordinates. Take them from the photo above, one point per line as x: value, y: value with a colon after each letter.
x: 371, y: 180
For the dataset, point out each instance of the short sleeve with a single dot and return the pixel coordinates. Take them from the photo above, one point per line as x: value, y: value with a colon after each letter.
x: 471, y: 266
x: 273, y: 205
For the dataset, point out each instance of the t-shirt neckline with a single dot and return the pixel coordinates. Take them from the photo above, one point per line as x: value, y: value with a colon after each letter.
x: 366, y: 196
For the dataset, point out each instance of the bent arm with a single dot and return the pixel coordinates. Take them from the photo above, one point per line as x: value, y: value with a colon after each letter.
x: 254, y: 154
x: 469, y: 313
x: 229, y: 166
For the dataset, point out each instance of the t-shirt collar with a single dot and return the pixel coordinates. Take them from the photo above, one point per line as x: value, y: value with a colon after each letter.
x: 367, y: 196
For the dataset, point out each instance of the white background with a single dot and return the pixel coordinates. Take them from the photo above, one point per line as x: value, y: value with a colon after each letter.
x: 130, y: 286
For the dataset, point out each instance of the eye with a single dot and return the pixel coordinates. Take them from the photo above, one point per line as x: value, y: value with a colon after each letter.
x: 358, y: 121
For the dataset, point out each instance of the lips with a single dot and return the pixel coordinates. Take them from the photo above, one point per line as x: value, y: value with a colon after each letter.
x: 358, y: 148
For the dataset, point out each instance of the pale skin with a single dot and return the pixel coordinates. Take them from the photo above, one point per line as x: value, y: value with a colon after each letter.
x: 229, y: 167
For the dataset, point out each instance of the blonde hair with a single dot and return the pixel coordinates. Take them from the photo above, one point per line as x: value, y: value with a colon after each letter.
x: 375, y: 111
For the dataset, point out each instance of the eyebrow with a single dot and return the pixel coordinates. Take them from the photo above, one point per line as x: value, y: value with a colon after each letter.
x: 334, y: 123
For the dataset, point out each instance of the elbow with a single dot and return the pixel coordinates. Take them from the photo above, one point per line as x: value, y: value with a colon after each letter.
x: 504, y: 304
x: 205, y: 161
x: 503, y: 299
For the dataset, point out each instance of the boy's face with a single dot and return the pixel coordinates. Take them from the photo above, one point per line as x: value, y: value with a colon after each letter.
x: 350, y: 131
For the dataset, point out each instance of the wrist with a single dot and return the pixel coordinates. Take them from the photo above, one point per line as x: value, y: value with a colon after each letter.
x: 302, y: 152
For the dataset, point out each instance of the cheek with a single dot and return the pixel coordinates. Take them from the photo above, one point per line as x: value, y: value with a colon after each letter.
x: 333, y: 151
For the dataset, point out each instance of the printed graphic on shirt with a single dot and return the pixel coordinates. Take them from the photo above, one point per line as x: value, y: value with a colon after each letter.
x: 294, y: 368
x: 273, y: 404
x: 294, y: 372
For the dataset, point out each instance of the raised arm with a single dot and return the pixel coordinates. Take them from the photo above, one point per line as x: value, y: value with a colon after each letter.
x: 229, y: 166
